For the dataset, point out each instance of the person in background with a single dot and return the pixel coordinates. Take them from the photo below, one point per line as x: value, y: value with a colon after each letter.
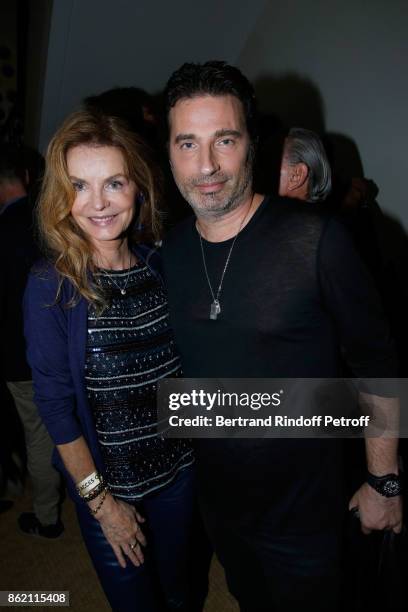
x: 131, y: 104
x: 305, y: 170
x: 17, y: 254
x: 99, y: 339
x: 12, y: 451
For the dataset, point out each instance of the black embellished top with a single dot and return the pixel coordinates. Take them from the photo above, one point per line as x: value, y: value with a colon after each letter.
x: 130, y: 348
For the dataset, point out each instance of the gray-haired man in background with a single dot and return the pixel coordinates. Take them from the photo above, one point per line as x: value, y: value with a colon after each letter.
x: 305, y: 170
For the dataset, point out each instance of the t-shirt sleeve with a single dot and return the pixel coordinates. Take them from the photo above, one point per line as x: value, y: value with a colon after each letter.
x: 45, y: 326
x: 351, y: 298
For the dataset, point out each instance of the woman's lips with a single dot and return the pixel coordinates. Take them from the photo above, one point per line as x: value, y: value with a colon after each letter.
x: 102, y: 221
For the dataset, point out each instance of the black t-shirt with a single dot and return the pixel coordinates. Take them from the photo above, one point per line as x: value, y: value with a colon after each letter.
x: 296, y: 301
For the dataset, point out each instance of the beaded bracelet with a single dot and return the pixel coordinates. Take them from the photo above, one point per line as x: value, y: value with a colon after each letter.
x: 95, y: 492
x: 99, y: 506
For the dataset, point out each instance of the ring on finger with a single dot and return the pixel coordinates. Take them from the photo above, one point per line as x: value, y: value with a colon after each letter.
x: 133, y: 546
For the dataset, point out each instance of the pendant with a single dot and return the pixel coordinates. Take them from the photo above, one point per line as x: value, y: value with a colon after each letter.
x: 123, y: 291
x: 215, y: 310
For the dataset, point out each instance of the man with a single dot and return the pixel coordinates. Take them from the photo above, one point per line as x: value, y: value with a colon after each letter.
x: 305, y: 171
x: 258, y: 288
x: 17, y: 254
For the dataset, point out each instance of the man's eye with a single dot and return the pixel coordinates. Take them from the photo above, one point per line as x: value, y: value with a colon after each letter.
x: 78, y: 186
x: 187, y: 145
x: 226, y: 142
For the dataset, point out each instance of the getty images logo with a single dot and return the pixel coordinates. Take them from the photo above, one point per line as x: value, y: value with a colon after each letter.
x: 208, y: 401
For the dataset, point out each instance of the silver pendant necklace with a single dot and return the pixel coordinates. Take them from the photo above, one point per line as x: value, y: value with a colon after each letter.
x: 215, y: 307
x: 121, y: 289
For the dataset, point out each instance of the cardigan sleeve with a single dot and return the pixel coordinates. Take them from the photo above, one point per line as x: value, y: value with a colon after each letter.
x: 46, y: 331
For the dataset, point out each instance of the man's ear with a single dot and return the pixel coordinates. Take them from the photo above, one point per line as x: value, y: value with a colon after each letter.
x: 298, y: 176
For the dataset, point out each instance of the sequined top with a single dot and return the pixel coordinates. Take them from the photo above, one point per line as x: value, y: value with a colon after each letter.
x: 129, y: 348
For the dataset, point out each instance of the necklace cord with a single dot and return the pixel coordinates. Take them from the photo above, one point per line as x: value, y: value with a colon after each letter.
x: 216, y: 297
x: 121, y: 289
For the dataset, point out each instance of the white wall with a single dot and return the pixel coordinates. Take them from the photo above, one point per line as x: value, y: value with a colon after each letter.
x: 98, y: 44
x: 354, y: 53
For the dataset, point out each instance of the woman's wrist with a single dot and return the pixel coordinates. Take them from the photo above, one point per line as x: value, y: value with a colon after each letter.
x: 90, y: 487
x: 100, y: 504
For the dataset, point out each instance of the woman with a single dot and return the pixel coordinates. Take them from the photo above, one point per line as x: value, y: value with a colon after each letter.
x: 98, y: 341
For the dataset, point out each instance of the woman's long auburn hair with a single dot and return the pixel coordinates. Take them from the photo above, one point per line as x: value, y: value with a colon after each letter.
x: 63, y: 241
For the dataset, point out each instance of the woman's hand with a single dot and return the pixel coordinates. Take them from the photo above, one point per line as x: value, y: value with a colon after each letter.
x: 119, y: 521
x: 120, y: 525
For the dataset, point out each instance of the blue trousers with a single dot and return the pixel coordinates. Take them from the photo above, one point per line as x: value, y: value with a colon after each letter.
x: 161, y: 583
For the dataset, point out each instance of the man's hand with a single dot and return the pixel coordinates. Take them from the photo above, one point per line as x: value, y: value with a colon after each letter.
x: 377, y: 511
x: 120, y: 525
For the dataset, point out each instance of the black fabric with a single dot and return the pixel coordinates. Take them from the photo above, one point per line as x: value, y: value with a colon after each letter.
x: 268, y: 573
x: 17, y: 254
x: 296, y: 301
x: 376, y: 569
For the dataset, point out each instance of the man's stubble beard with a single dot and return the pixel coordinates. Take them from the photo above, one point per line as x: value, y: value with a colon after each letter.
x: 212, y: 207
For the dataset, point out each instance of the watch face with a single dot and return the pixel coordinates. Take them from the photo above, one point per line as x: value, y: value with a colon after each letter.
x: 392, y: 487
x: 389, y: 485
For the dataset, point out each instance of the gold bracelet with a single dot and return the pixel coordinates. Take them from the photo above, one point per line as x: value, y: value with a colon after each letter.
x: 96, y: 491
x: 99, y: 506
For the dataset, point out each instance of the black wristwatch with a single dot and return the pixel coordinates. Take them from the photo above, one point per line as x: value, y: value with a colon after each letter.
x: 389, y: 485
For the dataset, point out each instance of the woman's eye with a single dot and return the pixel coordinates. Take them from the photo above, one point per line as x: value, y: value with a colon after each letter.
x: 115, y: 185
x: 78, y: 186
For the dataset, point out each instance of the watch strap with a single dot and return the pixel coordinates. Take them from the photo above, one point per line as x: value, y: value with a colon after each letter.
x: 389, y: 485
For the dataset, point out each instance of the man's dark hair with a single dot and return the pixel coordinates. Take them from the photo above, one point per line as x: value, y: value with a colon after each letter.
x: 214, y: 78
x: 13, y: 164
x: 305, y: 146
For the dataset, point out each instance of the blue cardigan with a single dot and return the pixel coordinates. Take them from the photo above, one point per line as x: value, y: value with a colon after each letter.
x: 56, y: 338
